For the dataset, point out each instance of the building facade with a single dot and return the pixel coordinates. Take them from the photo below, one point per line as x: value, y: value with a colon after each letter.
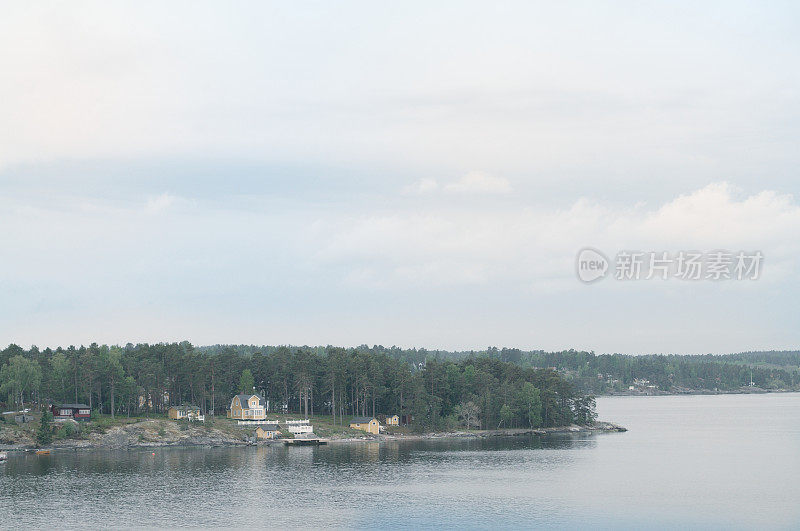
x: 267, y: 431
x: 367, y: 424
x: 71, y: 411
x: 247, y: 407
x: 185, y: 413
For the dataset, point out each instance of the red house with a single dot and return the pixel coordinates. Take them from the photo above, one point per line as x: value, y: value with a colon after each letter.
x: 72, y: 411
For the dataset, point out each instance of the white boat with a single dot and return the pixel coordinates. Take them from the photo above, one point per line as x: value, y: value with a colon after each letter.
x: 3, y: 456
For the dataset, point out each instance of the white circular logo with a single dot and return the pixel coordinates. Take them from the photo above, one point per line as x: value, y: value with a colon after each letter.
x: 590, y: 265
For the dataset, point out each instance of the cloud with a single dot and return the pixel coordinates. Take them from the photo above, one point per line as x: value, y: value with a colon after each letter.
x: 534, y: 247
x: 479, y: 183
x: 159, y: 203
x: 484, y: 274
x: 472, y: 183
x: 422, y: 186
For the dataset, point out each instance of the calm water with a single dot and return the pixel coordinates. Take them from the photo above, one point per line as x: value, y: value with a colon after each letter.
x: 695, y: 461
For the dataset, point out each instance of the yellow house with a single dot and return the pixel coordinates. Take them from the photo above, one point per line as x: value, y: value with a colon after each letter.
x: 247, y: 407
x: 185, y: 413
x: 267, y: 431
x: 394, y: 420
x: 367, y: 424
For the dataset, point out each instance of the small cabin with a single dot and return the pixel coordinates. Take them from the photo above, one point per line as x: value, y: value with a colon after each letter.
x: 393, y: 420
x: 71, y: 411
x: 267, y: 431
x: 247, y: 407
x: 185, y: 413
x: 367, y: 424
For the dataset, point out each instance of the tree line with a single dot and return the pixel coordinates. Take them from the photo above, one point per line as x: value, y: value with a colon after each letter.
x: 602, y: 373
x: 612, y: 372
x: 429, y: 390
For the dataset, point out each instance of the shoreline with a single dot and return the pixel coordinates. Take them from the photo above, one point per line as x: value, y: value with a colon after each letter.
x: 112, y: 440
x: 698, y: 392
x: 597, y: 427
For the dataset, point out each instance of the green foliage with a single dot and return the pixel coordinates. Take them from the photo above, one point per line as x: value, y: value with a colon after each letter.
x: 18, y: 377
x: 59, y: 375
x: 529, y: 405
x: 438, y: 390
x: 584, y: 409
x: 66, y: 431
x: 44, y: 434
x: 506, y: 415
x: 246, y: 382
x: 161, y: 431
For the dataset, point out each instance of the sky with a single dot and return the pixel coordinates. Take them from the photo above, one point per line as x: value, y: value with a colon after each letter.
x: 410, y: 174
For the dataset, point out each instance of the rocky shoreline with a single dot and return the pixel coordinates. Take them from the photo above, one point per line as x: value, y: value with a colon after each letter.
x: 159, y: 434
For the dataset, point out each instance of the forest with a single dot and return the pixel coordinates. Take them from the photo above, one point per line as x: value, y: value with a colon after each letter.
x: 430, y: 391
x: 489, y: 388
x: 606, y: 373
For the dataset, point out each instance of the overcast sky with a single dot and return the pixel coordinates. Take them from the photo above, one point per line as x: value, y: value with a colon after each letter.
x: 412, y: 174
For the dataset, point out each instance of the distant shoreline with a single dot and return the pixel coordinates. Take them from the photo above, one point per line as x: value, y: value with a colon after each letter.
x: 704, y: 392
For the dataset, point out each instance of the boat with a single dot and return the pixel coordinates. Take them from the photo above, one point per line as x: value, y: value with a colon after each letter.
x: 42, y: 452
x: 3, y: 456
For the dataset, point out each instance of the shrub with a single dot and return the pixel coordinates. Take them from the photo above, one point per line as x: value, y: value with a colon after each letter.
x: 45, y: 433
x: 66, y: 431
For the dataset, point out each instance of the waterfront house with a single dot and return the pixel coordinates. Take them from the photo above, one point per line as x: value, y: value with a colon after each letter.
x: 267, y: 431
x: 185, y: 413
x: 247, y: 407
x: 367, y: 424
x: 394, y: 420
x: 71, y: 411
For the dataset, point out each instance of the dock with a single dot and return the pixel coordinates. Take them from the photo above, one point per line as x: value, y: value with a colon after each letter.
x: 305, y: 439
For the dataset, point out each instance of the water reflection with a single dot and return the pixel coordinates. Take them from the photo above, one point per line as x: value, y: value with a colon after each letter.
x: 680, y: 464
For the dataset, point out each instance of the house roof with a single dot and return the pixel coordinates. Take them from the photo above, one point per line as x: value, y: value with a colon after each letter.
x: 74, y: 406
x: 243, y: 400
x: 361, y: 420
x: 268, y: 427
